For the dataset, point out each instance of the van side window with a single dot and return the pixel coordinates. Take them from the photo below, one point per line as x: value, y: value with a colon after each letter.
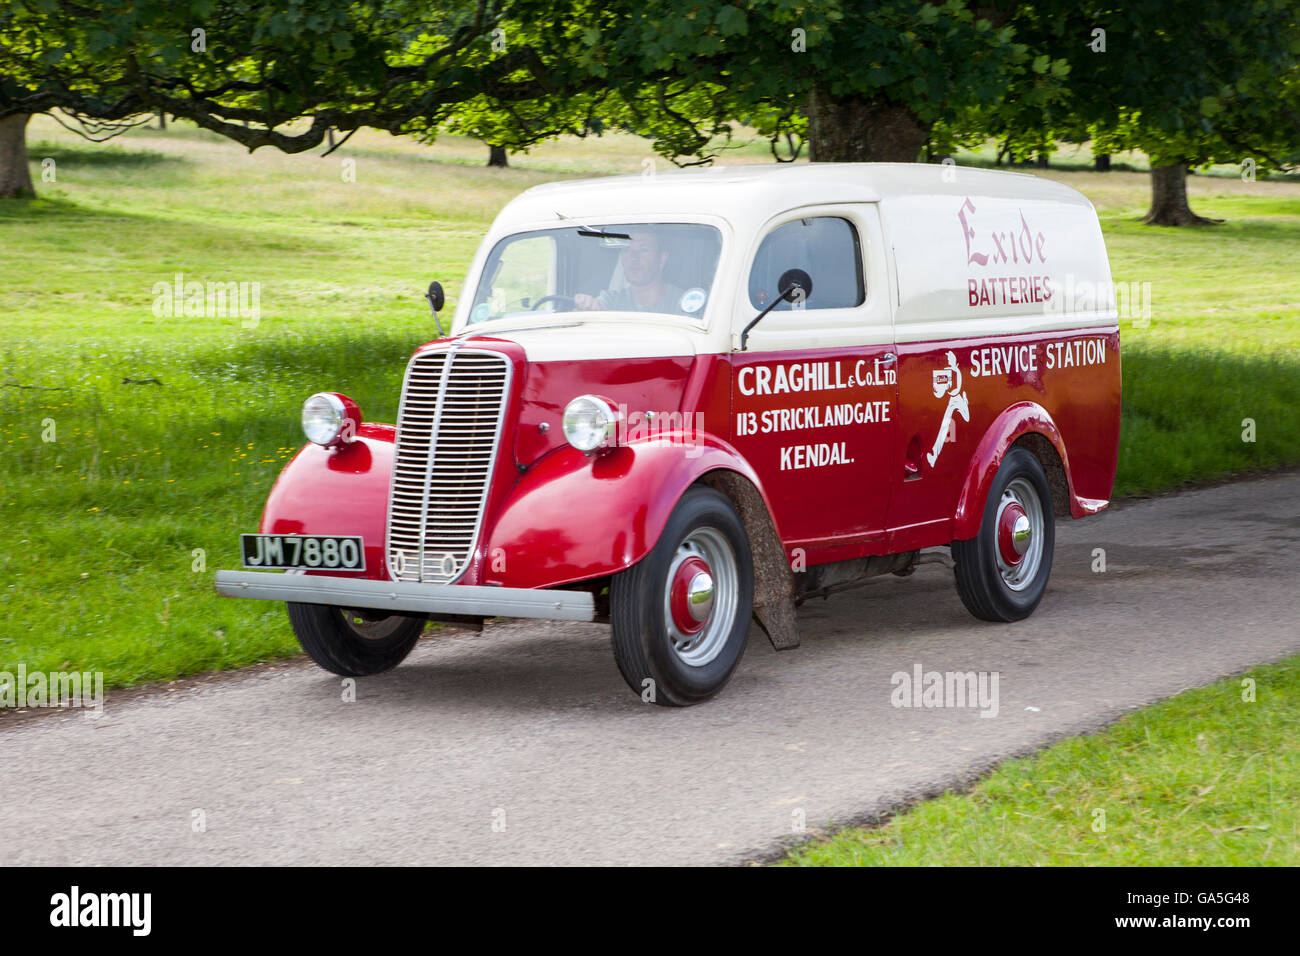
x: 826, y: 247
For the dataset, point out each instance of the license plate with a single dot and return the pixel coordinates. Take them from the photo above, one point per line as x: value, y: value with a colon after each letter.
x: 314, y: 551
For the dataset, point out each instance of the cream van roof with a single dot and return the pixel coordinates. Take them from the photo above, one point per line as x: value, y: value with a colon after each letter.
x: 742, y: 194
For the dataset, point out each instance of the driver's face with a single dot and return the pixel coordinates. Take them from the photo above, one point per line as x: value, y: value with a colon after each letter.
x: 643, y: 261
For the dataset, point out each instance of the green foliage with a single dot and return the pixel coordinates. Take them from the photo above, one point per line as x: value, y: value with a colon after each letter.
x: 247, y: 70
x: 1209, y: 82
x: 682, y: 72
x: 1205, y: 82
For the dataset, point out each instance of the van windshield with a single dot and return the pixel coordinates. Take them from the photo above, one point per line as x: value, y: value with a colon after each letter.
x: 625, y: 267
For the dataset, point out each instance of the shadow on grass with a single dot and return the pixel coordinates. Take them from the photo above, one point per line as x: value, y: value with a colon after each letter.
x: 342, y: 357
x: 171, y: 399
x: 1242, y: 222
x: 1188, y: 415
x: 97, y: 155
x: 149, y: 235
x: 45, y: 208
x: 1059, y: 165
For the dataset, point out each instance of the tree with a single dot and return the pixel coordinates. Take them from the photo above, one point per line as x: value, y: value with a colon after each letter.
x: 15, y: 176
x: 279, y: 75
x: 1213, y: 83
x: 841, y: 81
x: 866, y: 81
x: 848, y: 81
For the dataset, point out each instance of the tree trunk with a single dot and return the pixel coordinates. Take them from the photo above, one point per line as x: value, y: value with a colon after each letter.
x: 1042, y: 161
x: 162, y: 120
x: 498, y: 156
x: 1101, y: 162
x: 15, y: 177
x: 1169, y: 199
x: 856, y: 130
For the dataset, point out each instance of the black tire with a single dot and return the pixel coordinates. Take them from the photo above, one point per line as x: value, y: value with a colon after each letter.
x: 685, y: 668
x: 354, y: 643
x: 992, y: 589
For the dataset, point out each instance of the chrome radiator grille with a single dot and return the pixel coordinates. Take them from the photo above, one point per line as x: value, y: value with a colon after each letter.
x: 448, y: 430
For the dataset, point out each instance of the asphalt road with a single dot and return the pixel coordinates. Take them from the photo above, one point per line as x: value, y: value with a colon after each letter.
x: 522, y: 744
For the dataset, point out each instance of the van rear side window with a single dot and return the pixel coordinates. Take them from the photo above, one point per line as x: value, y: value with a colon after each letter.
x: 826, y: 247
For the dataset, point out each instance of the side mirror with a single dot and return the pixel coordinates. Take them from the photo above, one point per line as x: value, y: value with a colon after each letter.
x: 794, y: 285
x: 437, y: 299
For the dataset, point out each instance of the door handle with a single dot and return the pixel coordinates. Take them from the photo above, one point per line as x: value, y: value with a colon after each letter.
x: 888, y: 358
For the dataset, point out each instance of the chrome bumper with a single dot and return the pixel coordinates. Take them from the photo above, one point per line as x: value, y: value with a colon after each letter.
x: 405, y: 596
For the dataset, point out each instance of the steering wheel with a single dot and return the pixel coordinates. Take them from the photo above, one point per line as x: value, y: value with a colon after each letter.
x: 556, y: 298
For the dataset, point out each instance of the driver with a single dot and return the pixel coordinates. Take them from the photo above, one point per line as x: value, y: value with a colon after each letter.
x: 643, y: 262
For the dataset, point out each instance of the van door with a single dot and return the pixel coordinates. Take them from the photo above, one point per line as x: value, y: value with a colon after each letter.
x: 814, y: 395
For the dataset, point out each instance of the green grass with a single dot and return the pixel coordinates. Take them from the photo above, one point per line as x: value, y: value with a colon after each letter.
x: 1186, y: 412
x: 99, y: 526
x: 1202, y: 779
x: 102, y: 524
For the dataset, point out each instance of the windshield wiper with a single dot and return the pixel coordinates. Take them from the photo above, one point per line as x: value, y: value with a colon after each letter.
x: 603, y: 234
x: 593, y: 233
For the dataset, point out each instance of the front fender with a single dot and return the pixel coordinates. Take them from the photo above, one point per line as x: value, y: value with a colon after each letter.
x: 573, y: 517
x: 341, y: 491
x: 1015, y: 422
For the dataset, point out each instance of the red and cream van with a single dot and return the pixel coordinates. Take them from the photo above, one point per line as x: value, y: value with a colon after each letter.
x: 684, y: 402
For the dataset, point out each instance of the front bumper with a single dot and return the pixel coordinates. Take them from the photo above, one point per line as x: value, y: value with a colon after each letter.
x: 405, y: 596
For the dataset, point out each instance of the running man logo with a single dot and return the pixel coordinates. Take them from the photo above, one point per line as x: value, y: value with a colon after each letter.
x: 948, y: 381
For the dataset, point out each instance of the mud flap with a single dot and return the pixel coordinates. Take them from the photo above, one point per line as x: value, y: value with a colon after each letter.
x: 773, y: 579
x: 777, y: 621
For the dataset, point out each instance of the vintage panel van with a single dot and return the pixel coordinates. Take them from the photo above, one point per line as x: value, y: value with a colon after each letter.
x: 688, y: 402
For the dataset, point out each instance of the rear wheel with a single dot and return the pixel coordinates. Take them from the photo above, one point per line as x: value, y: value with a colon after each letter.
x: 354, y: 642
x: 680, y: 616
x: 1002, y: 572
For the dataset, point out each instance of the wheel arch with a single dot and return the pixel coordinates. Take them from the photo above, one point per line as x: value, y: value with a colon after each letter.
x: 773, y: 578
x: 306, y: 494
x: 1042, y: 448
x: 628, y: 494
x: 1027, y: 425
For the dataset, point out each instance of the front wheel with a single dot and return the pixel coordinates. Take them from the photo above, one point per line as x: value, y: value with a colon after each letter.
x: 352, y: 642
x: 680, y: 616
x: 1002, y: 572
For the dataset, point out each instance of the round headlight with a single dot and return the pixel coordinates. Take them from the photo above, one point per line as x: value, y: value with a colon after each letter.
x: 329, y: 419
x: 590, y: 423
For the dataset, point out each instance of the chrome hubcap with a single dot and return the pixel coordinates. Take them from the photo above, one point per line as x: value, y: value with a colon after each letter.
x: 1019, y: 545
x: 701, y: 596
x: 1021, y: 533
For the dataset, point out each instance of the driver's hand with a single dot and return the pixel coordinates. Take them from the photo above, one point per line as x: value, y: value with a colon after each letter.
x: 588, y: 303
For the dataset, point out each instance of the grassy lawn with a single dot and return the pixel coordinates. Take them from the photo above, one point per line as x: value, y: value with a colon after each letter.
x: 1204, y: 778
x: 167, y: 431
